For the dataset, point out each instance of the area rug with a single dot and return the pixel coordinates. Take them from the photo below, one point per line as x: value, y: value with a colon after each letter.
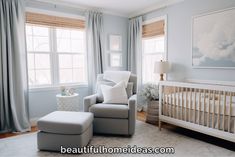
x: 145, y: 135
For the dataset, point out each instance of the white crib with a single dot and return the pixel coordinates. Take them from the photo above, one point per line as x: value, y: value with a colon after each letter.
x: 206, y: 108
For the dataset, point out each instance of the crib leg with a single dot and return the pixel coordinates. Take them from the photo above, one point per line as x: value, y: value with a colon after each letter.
x: 159, y: 125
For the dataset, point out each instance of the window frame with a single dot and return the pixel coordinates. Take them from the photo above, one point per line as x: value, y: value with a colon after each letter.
x: 54, y: 63
x: 164, y: 17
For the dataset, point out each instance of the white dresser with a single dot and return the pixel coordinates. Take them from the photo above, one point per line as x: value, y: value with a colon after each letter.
x: 68, y: 103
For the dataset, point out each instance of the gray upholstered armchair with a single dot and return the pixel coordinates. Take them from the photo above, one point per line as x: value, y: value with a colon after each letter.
x: 113, y: 118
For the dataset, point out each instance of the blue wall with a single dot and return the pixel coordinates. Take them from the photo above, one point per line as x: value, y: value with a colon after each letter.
x: 117, y: 26
x: 179, y: 38
x: 42, y: 102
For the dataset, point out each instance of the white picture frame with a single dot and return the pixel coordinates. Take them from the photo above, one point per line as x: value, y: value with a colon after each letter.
x: 115, y: 60
x: 211, y: 35
x: 115, y: 42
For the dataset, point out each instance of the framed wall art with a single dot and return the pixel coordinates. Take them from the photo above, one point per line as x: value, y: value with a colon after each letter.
x: 116, y: 59
x: 115, y: 42
x: 213, y: 40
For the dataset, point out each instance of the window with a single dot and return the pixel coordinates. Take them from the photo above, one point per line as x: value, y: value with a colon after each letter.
x: 38, y: 46
x: 56, y: 55
x: 71, y: 54
x: 153, y: 49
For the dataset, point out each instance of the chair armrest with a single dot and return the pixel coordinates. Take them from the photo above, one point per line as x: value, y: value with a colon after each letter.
x: 132, y: 100
x: 88, y: 101
x: 132, y: 113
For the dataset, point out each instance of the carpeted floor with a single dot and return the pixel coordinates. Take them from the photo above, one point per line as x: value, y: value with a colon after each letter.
x: 146, y: 135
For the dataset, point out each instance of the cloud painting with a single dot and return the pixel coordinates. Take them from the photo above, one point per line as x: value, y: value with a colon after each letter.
x: 214, y: 40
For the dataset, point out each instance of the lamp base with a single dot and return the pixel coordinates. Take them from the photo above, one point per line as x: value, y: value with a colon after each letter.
x: 161, y: 77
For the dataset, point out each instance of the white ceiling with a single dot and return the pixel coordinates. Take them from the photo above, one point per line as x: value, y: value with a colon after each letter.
x: 127, y: 8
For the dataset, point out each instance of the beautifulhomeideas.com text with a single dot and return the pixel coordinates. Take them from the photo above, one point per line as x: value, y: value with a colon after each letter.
x: 117, y: 150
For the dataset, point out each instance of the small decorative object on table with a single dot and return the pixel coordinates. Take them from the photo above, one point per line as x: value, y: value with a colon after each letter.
x: 151, y: 95
x: 66, y: 92
x: 63, y: 90
x: 70, y: 91
x: 67, y: 100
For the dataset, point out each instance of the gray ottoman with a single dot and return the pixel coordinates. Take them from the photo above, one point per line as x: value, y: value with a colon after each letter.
x: 63, y: 128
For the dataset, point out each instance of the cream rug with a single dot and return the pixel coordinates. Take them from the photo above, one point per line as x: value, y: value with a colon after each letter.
x: 146, y: 135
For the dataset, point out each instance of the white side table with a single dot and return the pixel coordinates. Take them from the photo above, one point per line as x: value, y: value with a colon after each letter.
x: 68, y: 103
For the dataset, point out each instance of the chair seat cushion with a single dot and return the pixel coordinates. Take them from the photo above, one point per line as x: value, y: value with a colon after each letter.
x: 65, y: 122
x: 110, y: 110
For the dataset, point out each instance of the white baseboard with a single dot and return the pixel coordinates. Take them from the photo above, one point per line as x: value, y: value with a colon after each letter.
x: 33, y: 121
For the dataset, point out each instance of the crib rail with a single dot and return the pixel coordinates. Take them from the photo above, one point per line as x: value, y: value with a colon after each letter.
x: 209, y: 106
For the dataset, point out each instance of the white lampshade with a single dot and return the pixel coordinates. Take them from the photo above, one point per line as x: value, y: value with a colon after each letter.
x: 161, y: 67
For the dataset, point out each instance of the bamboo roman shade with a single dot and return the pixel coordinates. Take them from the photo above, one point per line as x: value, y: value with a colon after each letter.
x: 54, y: 21
x: 153, y: 29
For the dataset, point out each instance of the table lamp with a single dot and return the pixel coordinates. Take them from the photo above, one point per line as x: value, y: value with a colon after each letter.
x: 161, y: 68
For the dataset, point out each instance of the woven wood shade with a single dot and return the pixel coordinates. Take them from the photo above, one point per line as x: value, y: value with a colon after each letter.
x: 54, y: 21
x: 153, y: 29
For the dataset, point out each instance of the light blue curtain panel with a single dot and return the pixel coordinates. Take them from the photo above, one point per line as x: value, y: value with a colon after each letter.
x: 95, y: 46
x: 134, y: 53
x: 14, y: 114
x: 134, y: 45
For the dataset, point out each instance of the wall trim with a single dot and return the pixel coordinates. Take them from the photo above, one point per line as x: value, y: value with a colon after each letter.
x: 157, y: 6
x: 80, y: 7
x: 55, y: 2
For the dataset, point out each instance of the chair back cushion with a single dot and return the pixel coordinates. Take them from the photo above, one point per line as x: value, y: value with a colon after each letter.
x: 130, y: 90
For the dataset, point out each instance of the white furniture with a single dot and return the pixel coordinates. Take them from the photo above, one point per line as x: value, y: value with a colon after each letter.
x: 68, y: 103
x: 206, y: 108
